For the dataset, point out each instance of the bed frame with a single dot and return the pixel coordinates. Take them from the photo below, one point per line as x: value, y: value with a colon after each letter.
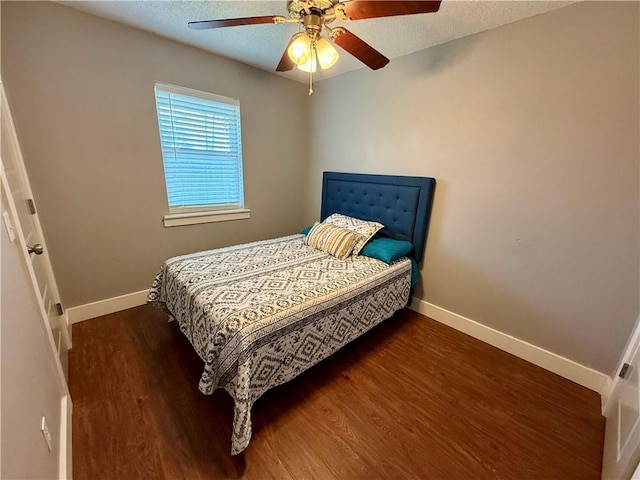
x: 401, y: 204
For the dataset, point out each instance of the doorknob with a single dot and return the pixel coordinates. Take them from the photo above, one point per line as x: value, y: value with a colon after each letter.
x: 37, y: 249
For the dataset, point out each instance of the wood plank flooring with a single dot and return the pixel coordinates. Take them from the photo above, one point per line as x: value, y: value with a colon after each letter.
x: 411, y: 399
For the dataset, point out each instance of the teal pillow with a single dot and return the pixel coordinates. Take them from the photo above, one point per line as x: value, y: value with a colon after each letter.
x: 305, y: 231
x: 386, y: 249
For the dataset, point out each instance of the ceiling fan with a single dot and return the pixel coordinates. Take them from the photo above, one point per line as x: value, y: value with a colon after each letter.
x: 308, y: 48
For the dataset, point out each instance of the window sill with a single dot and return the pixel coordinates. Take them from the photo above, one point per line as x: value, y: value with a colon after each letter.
x: 193, y: 218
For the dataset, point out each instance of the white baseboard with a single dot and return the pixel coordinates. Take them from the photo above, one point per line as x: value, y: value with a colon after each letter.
x: 65, y: 467
x: 107, y: 306
x: 585, y: 376
x: 606, y: 393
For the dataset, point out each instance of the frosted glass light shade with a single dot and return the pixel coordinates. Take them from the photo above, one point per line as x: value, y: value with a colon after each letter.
x: 300, y: 50
x: 327, y: 55
x: 311, y: 64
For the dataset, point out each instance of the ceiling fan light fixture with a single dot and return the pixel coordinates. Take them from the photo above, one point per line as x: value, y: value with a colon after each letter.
x: 300, y: 50
x: 314, y: 15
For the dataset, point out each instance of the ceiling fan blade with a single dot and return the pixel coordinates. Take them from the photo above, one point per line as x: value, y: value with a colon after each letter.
x: 358, y: 48
x: 286, y: 63
x: 361, y: 9
x: 232, y: 22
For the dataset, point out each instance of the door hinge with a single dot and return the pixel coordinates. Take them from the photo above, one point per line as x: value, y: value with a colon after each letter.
x: 624, y: 370
x: 31, y: 206
x: 59, y: 309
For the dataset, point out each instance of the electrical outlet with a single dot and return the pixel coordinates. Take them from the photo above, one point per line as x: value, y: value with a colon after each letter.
x: 45, y: 433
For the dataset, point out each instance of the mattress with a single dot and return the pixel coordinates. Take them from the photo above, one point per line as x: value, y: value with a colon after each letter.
x: 261, y: 313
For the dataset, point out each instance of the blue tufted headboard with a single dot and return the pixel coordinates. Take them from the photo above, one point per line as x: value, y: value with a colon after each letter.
x: 401, y: 204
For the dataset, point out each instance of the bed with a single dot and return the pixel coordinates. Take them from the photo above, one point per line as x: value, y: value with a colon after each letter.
x: 261, y: 313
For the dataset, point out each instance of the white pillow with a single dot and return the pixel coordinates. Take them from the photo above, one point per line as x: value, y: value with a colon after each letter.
x: 364, y: 228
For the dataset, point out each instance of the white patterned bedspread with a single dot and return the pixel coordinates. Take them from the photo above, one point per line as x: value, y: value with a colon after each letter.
x: 261, y: 313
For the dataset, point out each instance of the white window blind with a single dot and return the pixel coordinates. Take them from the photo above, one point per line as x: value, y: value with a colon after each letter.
x: 201, y: 148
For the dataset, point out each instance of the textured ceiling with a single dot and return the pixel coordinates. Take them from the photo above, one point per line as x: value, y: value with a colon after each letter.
x: 262, y: 45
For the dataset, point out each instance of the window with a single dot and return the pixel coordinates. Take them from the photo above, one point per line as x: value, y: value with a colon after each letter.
x: 202, y: 155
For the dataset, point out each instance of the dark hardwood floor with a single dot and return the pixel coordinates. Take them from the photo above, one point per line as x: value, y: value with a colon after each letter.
x: 410, y: 399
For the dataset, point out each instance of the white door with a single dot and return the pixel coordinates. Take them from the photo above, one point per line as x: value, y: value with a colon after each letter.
x: 35, y: 406
x: 20, y: 190
x: 622, y: 435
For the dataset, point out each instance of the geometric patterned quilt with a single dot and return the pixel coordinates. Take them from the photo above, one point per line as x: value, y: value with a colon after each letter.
x: 261, y: 313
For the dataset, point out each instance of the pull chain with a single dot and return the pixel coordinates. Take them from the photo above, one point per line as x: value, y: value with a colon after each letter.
x: 314, y: 64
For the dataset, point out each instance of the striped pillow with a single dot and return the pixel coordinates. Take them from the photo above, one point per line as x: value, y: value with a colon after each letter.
x: 336, y: 241
x: 364, y: 228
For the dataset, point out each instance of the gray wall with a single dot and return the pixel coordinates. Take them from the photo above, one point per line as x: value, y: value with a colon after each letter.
x: 532, y: 132
x: 81, y: 90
